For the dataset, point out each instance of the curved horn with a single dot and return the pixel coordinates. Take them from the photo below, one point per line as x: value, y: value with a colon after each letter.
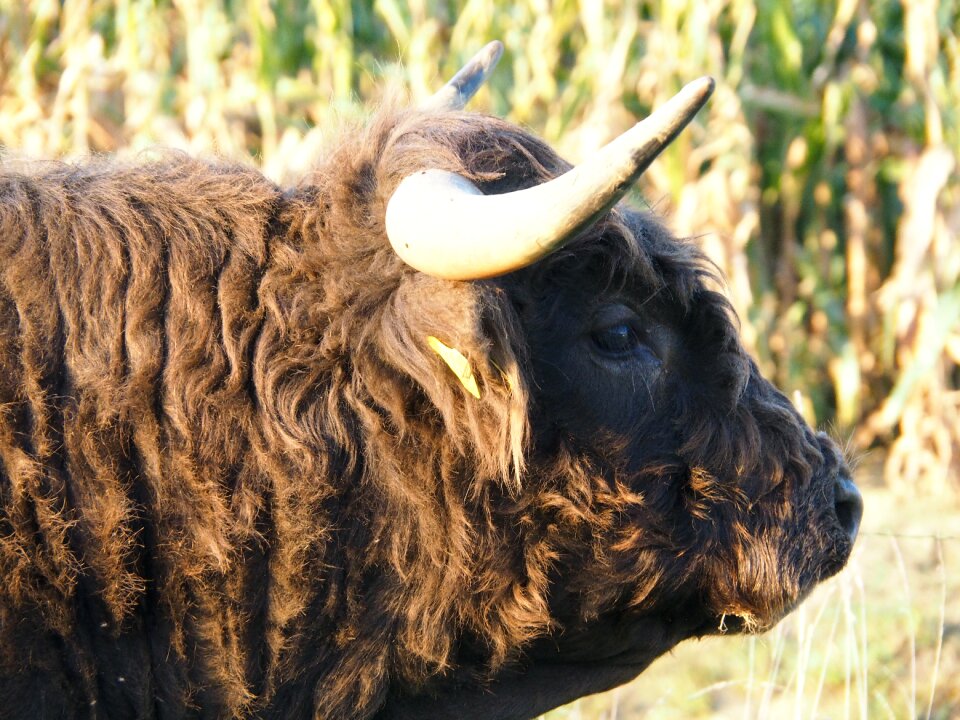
x: 464, y: 85
x: 443, y: 225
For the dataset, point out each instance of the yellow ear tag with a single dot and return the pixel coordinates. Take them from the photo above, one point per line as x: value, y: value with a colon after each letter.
x: 456, y: 362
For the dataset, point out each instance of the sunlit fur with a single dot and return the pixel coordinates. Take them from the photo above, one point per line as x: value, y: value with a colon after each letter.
x: 236, y: 481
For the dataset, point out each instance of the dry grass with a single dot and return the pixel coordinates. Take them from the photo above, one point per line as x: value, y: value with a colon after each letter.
x: 823, y: 178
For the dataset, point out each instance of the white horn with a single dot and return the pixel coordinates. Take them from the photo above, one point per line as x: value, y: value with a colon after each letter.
x: 464, y: 85
x: 443, y: 225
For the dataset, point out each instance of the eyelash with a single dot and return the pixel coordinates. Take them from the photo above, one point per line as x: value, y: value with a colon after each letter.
x: 618, y: 339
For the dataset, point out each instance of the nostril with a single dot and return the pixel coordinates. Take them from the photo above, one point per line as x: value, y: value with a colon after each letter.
x: 848, y: 505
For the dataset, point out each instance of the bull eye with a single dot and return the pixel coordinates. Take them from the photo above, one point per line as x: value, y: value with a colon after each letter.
x: 621, y: 341
x: 617, y: 339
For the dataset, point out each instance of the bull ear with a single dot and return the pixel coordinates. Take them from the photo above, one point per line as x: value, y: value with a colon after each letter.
x: 443, y: 225
x: 459, y: 343
x: 464, y: 85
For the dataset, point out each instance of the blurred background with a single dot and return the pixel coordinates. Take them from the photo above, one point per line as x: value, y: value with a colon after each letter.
x: 822, y: 178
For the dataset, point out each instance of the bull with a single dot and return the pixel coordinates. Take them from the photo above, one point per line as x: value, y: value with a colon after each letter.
x: 441, y: 431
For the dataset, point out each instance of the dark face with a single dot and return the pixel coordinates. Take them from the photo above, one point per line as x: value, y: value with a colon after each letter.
x: 726, y: 508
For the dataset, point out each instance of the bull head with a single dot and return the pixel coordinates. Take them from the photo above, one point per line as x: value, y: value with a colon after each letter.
x: 683, y: 492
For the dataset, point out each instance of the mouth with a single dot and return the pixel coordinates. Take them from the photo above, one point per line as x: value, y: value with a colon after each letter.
x: 732, y: 624
x: 757, y: 615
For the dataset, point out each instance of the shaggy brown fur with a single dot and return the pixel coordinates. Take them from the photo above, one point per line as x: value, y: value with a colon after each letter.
x: 236, y: 482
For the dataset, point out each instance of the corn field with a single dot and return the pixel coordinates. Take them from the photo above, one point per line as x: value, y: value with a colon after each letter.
x: 822, y: 178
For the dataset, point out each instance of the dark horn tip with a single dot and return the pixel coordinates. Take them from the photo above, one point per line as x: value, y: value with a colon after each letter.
x: 491, y: 53
x: 472, y: 75
x: 692, y: 97
x: 704, y: 87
